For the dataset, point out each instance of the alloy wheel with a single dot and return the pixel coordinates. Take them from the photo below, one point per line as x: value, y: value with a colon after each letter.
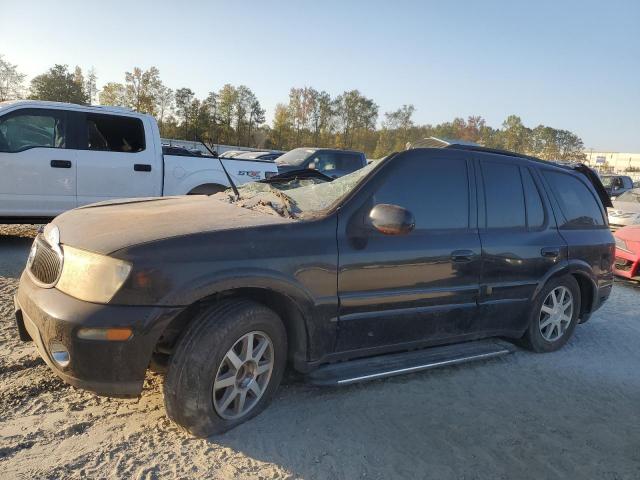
x: 243, y: 375
x: 556, y: 313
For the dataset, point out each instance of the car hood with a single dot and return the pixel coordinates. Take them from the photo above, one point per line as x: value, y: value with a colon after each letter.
x: 109, y: 226
x: 630, y: 233
x: 626, y: 206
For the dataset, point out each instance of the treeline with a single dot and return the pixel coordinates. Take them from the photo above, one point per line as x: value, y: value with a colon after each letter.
x: 233, y: 115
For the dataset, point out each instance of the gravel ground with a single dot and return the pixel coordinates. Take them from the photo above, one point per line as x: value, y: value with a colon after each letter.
x: 569, y: 414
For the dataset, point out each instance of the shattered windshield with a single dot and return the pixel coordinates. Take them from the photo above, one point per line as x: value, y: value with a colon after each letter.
x: 298, y: 198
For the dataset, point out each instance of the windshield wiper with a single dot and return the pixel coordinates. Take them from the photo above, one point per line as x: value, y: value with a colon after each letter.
x: 231, y: 182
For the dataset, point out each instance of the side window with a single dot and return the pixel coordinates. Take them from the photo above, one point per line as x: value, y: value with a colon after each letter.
x: 325, y: 161
x: 533, y: 202
x: 435, y: 190
x: 504, y: 196
x: 348, y: 162
x: 112, y: 133
x: 32, y: 128
x: 577, y: 203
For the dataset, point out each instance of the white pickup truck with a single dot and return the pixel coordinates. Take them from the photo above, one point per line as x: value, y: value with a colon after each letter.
x: 58, y: 156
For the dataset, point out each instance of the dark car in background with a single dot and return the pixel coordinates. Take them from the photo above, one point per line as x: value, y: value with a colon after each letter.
x: 333, y: 163
x: 616, y: 185
x: 415, y: 261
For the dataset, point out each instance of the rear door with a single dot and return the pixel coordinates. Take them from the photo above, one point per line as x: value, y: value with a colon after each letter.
x: 520, y: 241
x: 37, y: 167
x: 420, y: 287
x: 118, y: 159
x: 582, y: 222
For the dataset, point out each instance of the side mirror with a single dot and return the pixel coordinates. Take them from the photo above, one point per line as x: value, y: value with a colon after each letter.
x: 392, y: 219
x: 312, y: 165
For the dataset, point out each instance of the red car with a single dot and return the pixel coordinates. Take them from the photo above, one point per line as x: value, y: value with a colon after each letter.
x: 627, y: 262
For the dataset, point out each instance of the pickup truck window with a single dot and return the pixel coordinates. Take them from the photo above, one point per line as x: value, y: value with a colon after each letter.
x: 113, y: 133
x: 32, y: 128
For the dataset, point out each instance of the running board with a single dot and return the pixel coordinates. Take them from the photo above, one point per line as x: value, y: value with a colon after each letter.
x: 372, y: 368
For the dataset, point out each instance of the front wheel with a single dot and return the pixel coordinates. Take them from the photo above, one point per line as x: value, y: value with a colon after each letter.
x: 226, y: 368
x: 554, y: 315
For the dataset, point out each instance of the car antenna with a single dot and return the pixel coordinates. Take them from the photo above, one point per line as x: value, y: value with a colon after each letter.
x: 231, y: 182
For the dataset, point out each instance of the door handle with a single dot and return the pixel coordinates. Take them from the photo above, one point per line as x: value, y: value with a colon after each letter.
x: 142, y: 167
x: 462, y: 256
x: 60, y: 164
x: 550, y: 252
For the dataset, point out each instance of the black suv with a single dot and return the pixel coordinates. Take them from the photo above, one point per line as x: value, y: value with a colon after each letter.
x: 411, y: 262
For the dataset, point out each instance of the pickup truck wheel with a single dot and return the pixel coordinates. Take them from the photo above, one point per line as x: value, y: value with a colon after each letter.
x: 554, y: 315
x: 226, y: 367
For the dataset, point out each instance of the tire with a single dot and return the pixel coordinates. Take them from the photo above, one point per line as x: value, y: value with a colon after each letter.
x: 551, y: 328
x: 203, y: 360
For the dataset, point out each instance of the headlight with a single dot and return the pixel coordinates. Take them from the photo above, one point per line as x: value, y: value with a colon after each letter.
x: 91, y: 277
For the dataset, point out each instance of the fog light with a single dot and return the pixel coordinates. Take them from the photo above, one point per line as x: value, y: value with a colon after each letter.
x: 110, y: 334
x: 59, y: 353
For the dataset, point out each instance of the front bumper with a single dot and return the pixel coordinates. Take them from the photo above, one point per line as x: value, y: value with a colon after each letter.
x: 113, y: 368
x: 627, y: 264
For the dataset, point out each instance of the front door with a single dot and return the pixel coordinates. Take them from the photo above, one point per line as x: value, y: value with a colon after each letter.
x: 37, y: 168
x: 417, y: 288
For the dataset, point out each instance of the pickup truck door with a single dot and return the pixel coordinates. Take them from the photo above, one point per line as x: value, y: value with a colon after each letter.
x: 37, y: 167
x: 419, y: 287
x: 119, y: 158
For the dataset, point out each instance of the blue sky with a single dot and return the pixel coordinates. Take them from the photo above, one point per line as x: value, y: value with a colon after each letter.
x: 567, y: 64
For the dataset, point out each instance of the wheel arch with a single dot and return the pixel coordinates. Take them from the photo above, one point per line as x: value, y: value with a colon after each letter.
x: 207, y: 189
x: 291, y: 311
x: 583, y: 274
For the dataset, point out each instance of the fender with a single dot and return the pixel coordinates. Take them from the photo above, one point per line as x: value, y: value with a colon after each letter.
x: 317, y: 334
x: 572, y: 266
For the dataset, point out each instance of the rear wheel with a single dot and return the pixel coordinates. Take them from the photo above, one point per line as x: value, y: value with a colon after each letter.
x: 554, y: 315
x: 226, y: 367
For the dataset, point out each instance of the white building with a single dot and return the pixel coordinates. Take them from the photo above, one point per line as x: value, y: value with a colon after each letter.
x: 618, y: 162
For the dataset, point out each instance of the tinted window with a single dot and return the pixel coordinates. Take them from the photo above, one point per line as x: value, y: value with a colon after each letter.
x: 32, y: 128
x: 535, y: 210
x: 436, y: 191
x: 503, y: 195
x: 325, y: 161
x: 348, y: 162
x: 115, y: 134
x: 577, y: 204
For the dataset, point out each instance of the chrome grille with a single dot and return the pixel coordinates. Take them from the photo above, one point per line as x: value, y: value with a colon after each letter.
x: 46, y: 264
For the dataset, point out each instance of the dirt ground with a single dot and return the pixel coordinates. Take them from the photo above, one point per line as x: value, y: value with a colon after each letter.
x: 570, y: 414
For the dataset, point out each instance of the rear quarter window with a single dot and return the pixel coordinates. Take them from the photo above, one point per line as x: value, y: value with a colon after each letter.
x: 577, y: 204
